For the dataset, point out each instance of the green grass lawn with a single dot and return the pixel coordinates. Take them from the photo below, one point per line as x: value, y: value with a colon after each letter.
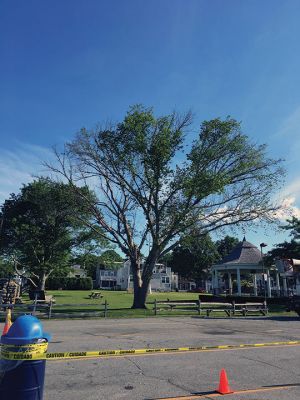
x: 120, y: 302
x: 116, y: 299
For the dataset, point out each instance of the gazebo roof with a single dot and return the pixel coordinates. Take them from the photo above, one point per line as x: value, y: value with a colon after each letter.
x: 244, y: 253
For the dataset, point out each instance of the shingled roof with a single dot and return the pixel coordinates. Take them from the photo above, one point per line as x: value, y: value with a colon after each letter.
x: 244, y: 253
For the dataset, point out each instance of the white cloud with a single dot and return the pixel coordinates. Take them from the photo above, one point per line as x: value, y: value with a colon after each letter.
x: 293, y: 188
x: 288, y: 141
x: 288, y: 209
x: 20, y: 166
x: 290, y: 199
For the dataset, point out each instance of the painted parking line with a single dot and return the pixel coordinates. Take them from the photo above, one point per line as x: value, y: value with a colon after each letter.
x: 209, y: 395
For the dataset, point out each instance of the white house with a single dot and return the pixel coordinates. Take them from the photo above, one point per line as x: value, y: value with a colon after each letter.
x: 163, y: 279
x: 105, y: 278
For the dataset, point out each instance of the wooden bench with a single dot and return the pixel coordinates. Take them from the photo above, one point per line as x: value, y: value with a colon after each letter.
x: 209, y: 308
x: 179, y: 305
x: 252, y: 308
x: 192, y: 305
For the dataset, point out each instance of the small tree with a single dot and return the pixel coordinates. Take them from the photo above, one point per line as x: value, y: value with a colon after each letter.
x: 91, y: 260
x: 287, y: 249
x: 40, y: 226
x: 88, y: 249
x: 111, y: 259
x: 153, y: 187
x: 224, y: 246
x: 194, y: 256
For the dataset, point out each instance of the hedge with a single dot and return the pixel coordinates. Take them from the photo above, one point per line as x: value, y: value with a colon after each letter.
x: 55, y: 283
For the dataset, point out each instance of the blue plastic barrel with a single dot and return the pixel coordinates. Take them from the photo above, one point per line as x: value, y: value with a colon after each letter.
x: 26, y: 380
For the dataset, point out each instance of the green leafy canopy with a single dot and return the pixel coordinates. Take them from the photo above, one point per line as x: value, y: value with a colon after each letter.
x: 41, y: 225
x: 155, y: 185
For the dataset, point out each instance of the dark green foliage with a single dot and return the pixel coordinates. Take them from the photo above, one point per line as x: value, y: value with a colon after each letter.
x: 55, y: 283
x: 294, y: 226
x: 110, y: 259
x: 196, y: 254
x: 287, y: 249
x: 226, y: 245
x: 194, y: 257
x: 90, y: 261
x: 87, y: 261
x: 41, y: 225
x: 6, y: 268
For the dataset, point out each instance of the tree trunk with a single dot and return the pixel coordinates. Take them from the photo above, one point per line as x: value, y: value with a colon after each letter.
x: 140, y: 295
x: 42, y: 281
x: 141, y: 280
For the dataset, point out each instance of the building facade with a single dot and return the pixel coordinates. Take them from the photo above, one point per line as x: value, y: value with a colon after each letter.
x: 163, y: 278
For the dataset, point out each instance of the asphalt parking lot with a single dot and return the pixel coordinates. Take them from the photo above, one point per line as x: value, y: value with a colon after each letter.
x: 261, y: 373
x: 172, y: 375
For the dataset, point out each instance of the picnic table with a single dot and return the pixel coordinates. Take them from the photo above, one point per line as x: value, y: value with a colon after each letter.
x: 229, y: 308
x: 250, y: 307
x: 179, y: 305
x: 96, y: 295
x: 212, y: 307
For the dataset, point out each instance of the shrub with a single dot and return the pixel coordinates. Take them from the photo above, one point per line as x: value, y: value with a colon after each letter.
x: 55, y: 283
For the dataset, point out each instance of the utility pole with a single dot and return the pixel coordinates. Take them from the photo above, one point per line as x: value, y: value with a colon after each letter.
x: 262, y: 245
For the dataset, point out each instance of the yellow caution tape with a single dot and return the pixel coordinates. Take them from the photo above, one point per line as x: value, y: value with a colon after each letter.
x: 24, y: 352
x: 31, y: 352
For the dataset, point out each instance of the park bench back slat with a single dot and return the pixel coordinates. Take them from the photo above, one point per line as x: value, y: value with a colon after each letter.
x: 209, y: 307
x: 194, y: 305
x: 250, y: 307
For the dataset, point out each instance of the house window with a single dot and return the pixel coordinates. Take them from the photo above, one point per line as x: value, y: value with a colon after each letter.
x: 165, y: 279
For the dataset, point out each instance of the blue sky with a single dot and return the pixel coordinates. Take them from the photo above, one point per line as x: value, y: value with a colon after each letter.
x: 68, y: 64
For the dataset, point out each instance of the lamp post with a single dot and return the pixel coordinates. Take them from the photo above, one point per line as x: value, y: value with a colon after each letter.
x: 262, y: 245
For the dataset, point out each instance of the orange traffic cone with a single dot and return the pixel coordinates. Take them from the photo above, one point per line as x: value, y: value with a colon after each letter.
x: 224, y: 385
x: 8, y: 322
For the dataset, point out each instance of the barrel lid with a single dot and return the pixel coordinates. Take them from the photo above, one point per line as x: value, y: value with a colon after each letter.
x: 26, y: 329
